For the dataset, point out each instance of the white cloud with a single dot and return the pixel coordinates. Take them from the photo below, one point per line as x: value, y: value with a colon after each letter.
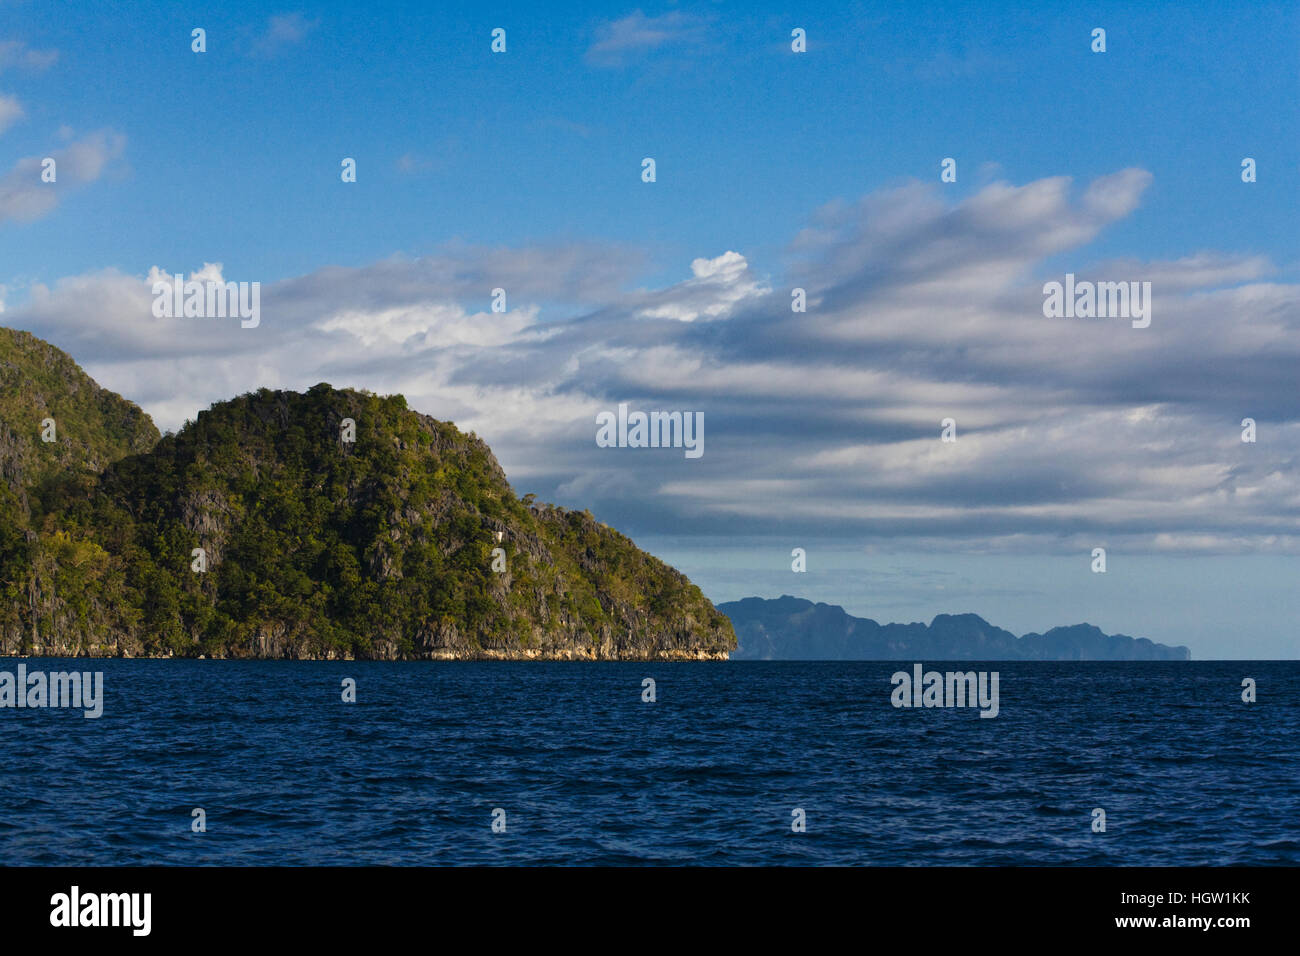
x: 826, y: 423
x: 719, y: 286
x: 11, y: 111
x: 25, y: 197
x: 282, y: 32
x: 618, y: 41
x: 15, y: 53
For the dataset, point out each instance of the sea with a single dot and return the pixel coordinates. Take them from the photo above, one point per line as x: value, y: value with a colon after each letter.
x: 774, y: 763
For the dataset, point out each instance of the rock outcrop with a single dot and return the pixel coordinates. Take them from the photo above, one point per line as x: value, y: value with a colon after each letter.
x: 261, y: 530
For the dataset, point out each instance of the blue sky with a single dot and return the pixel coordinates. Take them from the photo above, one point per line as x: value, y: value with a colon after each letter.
x: 522, y: 170
x: 238, y: 149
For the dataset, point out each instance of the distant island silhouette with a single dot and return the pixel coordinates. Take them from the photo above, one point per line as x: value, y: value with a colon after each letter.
x: 790, y: 628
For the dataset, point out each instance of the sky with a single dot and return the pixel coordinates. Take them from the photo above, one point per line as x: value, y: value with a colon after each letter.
x: 774, y: 170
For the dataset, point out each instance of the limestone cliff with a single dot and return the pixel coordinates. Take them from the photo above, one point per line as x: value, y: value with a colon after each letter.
x: 268, y: 528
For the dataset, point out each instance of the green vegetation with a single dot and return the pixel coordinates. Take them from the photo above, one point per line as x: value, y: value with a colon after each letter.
x: 316, y: 547
x: 92, y: 427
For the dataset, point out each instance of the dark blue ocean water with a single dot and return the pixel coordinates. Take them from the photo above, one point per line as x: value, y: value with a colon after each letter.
x: 708, y: 774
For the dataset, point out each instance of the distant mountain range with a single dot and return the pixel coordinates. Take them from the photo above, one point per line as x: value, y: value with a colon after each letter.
x: 790, y: 628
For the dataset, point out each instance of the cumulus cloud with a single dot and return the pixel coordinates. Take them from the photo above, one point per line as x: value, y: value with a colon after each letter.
x: 1072, y: 433
x: 718, y: 287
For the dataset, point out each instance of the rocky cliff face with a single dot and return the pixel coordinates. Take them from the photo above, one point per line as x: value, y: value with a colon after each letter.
x: 789, y: 628
x: 44, y: 395
x: 58, y: 428
x: 332, y: 524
